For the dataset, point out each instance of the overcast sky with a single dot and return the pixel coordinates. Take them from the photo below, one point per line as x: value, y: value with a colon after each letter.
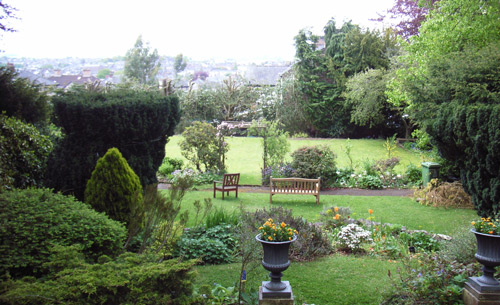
x: 255, y: 30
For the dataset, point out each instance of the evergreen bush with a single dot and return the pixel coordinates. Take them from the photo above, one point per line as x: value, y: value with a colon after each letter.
x: 35, y: 219
x: 22, y: 99
x: 23, y: 154
x: 313, y: 162
x: 129, y: 279
x: 138, y: 123
x: 114, y: 188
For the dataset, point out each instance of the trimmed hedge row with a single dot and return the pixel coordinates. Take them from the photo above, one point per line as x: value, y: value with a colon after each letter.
x: 138, y: 123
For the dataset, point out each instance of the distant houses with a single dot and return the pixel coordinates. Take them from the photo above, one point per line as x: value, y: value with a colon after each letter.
x: 66, y: 81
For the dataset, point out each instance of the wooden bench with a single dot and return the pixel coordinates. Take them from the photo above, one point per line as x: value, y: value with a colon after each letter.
x: 296, y: 186
x: 229, y: 184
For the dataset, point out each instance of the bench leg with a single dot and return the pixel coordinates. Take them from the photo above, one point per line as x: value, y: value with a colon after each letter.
x: 223, y: 194
x: 236, y: 192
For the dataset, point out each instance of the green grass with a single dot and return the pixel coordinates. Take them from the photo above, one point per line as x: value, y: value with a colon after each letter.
x: 245, y: 154
x: 336, y: 279
x: 386, y: 209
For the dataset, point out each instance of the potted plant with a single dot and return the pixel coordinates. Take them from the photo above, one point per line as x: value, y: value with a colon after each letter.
x: 487, y: 231
x: 276, y: 240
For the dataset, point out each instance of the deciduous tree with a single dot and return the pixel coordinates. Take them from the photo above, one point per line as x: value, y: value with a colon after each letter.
x: 141, y: 63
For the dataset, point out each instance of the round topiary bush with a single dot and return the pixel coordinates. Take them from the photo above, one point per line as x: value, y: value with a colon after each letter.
x: 33, y: 220
x: 113, y: 188
x: 315, y: 161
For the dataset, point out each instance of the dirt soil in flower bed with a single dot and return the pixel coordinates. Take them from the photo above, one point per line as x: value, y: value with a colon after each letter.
x: 331, y: 191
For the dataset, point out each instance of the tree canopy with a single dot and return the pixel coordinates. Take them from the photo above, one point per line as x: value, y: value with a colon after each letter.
x: 142, y: 64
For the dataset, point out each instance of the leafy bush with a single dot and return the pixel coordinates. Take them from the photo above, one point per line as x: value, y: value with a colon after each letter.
x: 283, y: 170
x: 312, y: 241
x: 169, y: 165
x: 128, y: 279
x: 206, y: 178
x: 23, y: 154
x: 369, y: 182
x: 413, y: 174
x: 114, y: 188
x: 444, y: 194
x: 137, y: 123
x: 216, y: 245
x: 201, y: 147
x: 430, y: 279
x: 421, y: 241
x: 315, y: 161
x: 35, y: 219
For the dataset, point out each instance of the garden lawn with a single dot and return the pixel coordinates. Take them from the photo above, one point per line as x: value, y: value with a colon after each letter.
x: 336, y: 279
x: 386, y: 209
x: 245, y: 154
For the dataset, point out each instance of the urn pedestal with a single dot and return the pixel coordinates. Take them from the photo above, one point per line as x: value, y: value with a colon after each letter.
x: 276, y: 261
x: 484, y: 290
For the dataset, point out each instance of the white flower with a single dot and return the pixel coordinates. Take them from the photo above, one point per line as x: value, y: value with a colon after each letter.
x: 353, y: 235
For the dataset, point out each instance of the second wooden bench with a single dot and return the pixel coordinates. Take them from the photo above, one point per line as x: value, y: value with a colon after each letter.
x: 296, y: 186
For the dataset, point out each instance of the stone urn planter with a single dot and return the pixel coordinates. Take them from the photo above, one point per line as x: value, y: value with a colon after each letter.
x: 276, y: 261
x: 488, y: 254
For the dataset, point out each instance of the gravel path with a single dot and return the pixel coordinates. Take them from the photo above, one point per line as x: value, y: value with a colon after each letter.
x: 337, y: 191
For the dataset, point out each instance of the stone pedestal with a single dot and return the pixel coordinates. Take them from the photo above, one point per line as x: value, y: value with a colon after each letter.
x: 282, y: 297
x: 477, y: 293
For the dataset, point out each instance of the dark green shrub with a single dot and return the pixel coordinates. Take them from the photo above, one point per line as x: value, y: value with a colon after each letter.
x: 136, y: 122
x: 23, y: 154
x: 369, y: 182
x: 169, y: 165
x: 313, y: 162
x: 21, y: 99
x: 128, y: 279
x: 413, y: 174
x: 421, y: 241
x: 114, y: 188
x: 35, y: 219
x: 216, y: 245
x: 459, y: 105
x: 312, y: 241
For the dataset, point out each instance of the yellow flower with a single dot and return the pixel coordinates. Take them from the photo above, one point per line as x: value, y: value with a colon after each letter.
x: 290, y: 233
x: 473, y: 223
x: 283, y: 225
x: 260, y: 228
x: 289, y: 238
x: 491, y: 232
x: 270, y: 238
x: 295, y: 231
x: 370, y: 211
x: 336, y: 209
x: 337, y: 217
x: 270, y: 220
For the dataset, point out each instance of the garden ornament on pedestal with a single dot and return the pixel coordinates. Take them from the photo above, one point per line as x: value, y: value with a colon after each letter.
x: 276, y: 240
x: 488, y: 249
